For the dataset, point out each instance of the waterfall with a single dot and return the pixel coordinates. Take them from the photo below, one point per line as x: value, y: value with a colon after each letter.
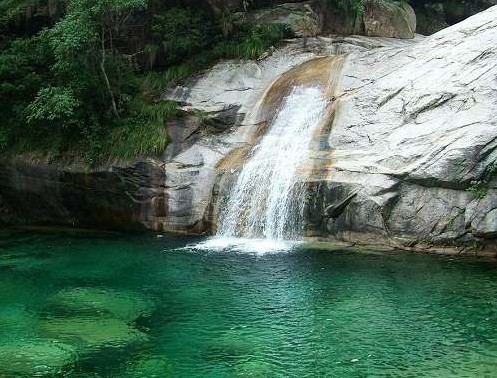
x: 267, y: 200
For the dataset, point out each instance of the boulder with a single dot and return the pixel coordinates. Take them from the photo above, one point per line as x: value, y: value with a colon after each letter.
x: 298, y: 17
x: 377, y: 19
x: 127, y: 306
x: 389, y: 20
x: 36, y: 358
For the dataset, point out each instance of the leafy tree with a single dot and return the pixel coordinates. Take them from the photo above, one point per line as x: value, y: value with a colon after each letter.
x: 81, y: 77
x: 90, y: 28
x: 54, y: 104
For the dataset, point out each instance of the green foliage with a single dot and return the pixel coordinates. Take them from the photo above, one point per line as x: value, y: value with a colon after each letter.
x: 82, y: 78
x: 181, y: 33
x: 479, y: 188
x: 4, y: 138
x: 251, y: 41
x: 356, y: 7
x: 145, y: 131
x: 53, y: 104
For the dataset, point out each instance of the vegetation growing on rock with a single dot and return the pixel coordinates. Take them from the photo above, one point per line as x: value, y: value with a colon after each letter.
x: 82, y: 77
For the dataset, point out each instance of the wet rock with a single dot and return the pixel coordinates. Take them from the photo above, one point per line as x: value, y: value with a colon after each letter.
x: 121, y: 197
x: 255, y: 369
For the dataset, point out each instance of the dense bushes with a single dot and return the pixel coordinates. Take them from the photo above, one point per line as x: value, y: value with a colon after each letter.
x: 82, y: 77
x: 355, y: 7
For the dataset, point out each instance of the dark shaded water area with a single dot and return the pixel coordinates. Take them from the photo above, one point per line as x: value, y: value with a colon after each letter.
x: 111, y: 305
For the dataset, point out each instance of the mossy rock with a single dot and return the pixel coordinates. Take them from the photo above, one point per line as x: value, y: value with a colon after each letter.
x: 37, y: 358
x: 92, y: 332
x: 152, y: 367
x: 126, y: 306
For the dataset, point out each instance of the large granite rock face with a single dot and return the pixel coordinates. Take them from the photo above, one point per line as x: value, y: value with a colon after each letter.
x: 416, y: 126
x: 218, y: 127
x: 170, y: 193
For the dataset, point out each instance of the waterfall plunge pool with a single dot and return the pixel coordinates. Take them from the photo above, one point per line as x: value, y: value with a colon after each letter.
x: 94, y: 305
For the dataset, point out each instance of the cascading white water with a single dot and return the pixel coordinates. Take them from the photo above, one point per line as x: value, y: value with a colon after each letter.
x: 267, y: 201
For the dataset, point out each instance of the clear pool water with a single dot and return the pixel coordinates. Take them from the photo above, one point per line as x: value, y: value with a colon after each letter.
x: 93, y: 305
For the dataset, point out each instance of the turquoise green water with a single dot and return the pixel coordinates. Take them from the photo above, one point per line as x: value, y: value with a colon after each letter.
x: 140, y: 306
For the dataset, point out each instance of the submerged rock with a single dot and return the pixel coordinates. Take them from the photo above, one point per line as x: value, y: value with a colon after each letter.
x: 35, y: 358
x: 16, y: 322
x: 255, y: 369
x: 91, y: 333
x: 151, y: 367
x: 126, y: 306
x: 21, y: 261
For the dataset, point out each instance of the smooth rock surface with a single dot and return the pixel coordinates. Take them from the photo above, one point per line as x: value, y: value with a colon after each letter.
x: 415, y: 126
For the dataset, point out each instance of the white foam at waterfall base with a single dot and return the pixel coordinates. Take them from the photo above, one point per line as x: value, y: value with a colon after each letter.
x: 243, y: 245
x: 265, y: 208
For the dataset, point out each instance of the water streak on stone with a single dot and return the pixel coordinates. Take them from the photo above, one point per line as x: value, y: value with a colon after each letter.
x: 267, y: 200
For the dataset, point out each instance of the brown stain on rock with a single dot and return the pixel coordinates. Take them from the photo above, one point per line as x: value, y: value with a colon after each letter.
x: 323, y: 72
